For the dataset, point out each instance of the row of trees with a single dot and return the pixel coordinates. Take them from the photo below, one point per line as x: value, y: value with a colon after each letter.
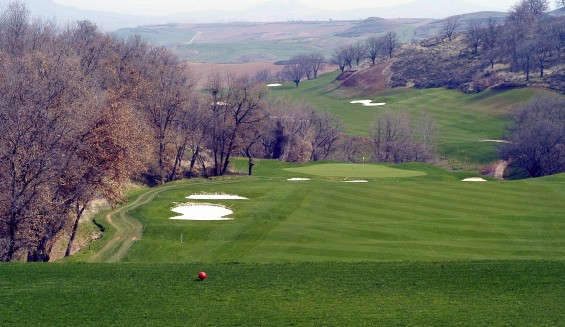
x: 68, y: 132
x: 526, y: 41
x: 372, y: 48
x: 303, y: 65
x: 398, y: 137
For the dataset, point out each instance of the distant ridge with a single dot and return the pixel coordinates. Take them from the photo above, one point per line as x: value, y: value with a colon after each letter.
x: 434, y: 29
x: 370, y: 25
x: 270, y: 11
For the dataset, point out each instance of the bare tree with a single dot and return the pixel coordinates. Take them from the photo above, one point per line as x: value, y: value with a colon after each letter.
x: 166, y: 94
x: 264, y: 75
x: 317, y: 62
x: 474, y: 36
x: 340, y: 57
x: 296, y: 68
x: 491, y: 38
x: 544, y: 43
x: 537, y: 138
x: 397, y: 138
x: 560, y: 3
x: 528, y: 11
x: 374, y: 47
x: 191, y: 128
x: 557, y: 33
x: 327, y: 131
x: 358, y: 52
x: 390, y: 42
x: 450, y: 26
x: 299, y: 133
x: 14, y: 25
x: 237, y: 103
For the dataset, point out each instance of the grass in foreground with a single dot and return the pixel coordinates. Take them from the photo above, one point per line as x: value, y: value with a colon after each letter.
x: 510, y: 293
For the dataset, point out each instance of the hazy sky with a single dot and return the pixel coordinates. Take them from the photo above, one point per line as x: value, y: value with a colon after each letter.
x: 162, y: 7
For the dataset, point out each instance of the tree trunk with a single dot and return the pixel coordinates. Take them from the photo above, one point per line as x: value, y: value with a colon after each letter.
x: 40, y: 254
x: 193, y: 162
x: 251, y: 164
x: 12, y: 247
x: 178, y: 160
x: 161, y: 163
x: 78, y: 211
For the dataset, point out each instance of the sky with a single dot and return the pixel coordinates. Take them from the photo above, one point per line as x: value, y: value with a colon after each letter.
x: 165, y: 7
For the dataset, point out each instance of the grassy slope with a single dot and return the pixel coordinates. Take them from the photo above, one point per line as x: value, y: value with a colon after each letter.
x: 523, y: 293
x: 463, y: 119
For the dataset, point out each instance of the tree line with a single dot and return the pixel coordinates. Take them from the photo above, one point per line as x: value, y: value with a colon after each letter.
x: 373, y: 48
x: 528, y: 39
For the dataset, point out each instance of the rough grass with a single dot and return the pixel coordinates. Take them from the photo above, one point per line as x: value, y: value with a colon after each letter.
x: 482, y: 293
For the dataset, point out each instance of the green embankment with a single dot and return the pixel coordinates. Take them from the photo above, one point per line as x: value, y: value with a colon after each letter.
x: 464, y: 120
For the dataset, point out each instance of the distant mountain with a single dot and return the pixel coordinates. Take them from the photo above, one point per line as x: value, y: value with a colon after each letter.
x: 62, y: 14
x: 426, y: 9
x: 270, y: 11
x: 284, y: 10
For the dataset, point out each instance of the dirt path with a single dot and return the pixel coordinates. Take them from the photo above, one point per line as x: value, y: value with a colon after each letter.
x: 194, y: 38
x: 500, y: 168
x: 128, y: 229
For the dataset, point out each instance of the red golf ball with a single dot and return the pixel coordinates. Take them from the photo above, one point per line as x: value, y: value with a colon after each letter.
x: 202, y: 275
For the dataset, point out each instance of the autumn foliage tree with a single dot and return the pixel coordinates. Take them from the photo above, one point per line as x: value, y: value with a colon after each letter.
x: 64, y: 138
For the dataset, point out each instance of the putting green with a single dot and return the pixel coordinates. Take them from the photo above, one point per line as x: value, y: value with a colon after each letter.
x: 355, y: 171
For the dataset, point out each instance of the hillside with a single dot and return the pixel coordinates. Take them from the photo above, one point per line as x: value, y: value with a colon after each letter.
x: 435, y: 28
x: 248, y: 42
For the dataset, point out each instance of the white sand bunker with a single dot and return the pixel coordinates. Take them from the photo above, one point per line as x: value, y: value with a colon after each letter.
x: 202, y: 212
x: 298, y: 179
x: 368, y: 103
x: 356, y: 181
x: 495, y: 141
x: 216, y: 197
x: 274, y: 84
x: 474, y: 179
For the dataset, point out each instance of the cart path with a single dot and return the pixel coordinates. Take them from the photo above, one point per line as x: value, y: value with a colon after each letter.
x: 500, y: 168
x: 128, y: 229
